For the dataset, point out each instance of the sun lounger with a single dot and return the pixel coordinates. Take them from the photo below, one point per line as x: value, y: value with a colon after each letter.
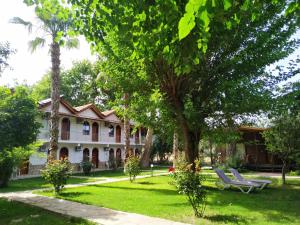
x: 262, y: 183
x: 226, y: 182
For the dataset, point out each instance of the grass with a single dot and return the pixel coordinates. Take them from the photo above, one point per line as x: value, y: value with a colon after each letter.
x: 156, y: 197
x: 18, y: 213
x: 36, y: 183
x: 39, y: 182
x: 119, y: 173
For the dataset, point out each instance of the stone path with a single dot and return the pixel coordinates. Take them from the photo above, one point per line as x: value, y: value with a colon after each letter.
x: 95, y: 214
x: 99, y: 215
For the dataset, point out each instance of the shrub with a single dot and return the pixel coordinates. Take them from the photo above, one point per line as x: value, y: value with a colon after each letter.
x: 13, y: 158
x: 132, y: 167
x: 86, y: 167
x: 56, y: 173
x: 235, y: 162
x: 6, y: 167
x: 112, y: 163
x: 187, y: 180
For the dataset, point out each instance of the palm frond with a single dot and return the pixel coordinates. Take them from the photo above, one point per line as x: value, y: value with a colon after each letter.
x: 18, y: 20
x: 72, y: 43
x: 37, y: 42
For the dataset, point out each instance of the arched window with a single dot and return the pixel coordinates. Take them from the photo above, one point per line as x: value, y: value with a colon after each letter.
x: 95, y: 131
x: 86, y: 128
x: 86, y: 154
x: 95, y: 157
x: 118, y: 134
x: 65, y: 129
x: 63, y: 154
x: 131, y: 132
x: 111, y: 131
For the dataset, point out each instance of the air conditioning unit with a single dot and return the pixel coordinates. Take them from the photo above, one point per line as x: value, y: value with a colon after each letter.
x: 79, y: 120
x: 78, y: 147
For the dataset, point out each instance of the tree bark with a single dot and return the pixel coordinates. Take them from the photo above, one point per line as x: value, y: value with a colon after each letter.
x: 175, y: 148
x: 212, y: 161
x: 283, y: 171
x: 191, y: 143
x: 126, y: 126
x: 146, y: 152
x: 55, y: 98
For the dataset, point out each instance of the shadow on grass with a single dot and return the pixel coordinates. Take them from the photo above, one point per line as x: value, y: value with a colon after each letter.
x: 235, y: 219
x: 146, y: 183
x: 71, y: 195
x: 158, y: 191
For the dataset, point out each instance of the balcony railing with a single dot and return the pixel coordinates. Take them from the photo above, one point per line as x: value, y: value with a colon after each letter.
x: 65, y: 135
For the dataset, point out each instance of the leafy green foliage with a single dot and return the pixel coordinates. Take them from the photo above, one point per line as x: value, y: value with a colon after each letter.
x: 56, y: 173
x: 11, y: 159
x: 86, y: 166
x: 56, y: 20
x: 79, y: 85
x: 132, y: 167
x: 18, y: 114
x: 189, y: 182
x: 216, y: 71
x: 283, y: 139
x: 6, y: 167
x: 160, y: 147
x: 5, y: 52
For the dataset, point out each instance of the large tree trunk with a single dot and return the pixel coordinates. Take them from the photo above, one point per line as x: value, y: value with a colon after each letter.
x: 145, y: 157
x: 55, y: 97
x: 126, y: 126
x: 175, y: 148
x: 191, y: 143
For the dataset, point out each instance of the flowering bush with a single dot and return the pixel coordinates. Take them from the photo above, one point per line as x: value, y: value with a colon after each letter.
x: 171, y: 170
x: 187, y: 180
x: 56, y: 173
x: 132, y: 167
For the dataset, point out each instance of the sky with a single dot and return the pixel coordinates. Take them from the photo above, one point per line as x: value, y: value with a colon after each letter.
x: 27, y: 67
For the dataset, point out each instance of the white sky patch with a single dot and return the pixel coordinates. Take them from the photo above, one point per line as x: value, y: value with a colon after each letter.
x: 26, y: 66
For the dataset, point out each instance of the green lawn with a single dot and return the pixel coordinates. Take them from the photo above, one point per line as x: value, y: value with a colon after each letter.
x: 119, y: 173
x: 156, y: 197
x: 22, y: 214
x: 37, y: 182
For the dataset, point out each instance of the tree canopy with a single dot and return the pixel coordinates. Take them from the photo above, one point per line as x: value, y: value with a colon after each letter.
x: 79, y: 85
x: 18, y: 114
x: 215, y: 70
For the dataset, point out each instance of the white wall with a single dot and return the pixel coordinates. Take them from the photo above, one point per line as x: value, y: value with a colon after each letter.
x: 38, y: 158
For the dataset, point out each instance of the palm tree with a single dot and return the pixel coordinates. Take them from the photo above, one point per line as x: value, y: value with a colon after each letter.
x: 55, y: 28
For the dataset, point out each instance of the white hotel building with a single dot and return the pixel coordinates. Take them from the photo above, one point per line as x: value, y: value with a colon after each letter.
x: 84, y: 131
